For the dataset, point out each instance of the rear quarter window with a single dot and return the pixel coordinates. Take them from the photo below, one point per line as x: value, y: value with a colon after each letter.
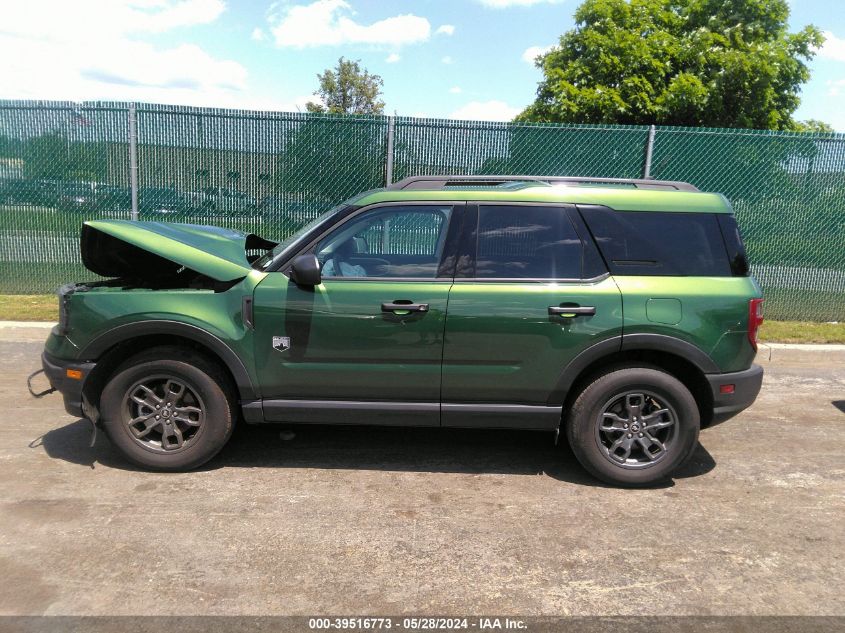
x: 734, y: 244
x: 651, y: 243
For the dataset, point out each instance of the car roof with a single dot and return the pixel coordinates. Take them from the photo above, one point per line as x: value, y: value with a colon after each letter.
x: 616, y: 197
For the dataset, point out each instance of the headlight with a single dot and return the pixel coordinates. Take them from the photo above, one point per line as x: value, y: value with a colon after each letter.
x: 63, y: 295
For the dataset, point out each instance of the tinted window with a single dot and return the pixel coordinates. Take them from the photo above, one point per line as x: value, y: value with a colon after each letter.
x: 526, y: 242
x: 733, y: 242
x: 644, y: 243
x: 389, y: 242
x: 406, y: 233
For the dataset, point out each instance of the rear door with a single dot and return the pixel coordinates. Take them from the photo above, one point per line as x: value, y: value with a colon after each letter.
x: 530, y: 294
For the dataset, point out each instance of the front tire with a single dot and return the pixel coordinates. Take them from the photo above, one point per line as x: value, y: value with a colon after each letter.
x: 168, y: 409
x: 633, y: 426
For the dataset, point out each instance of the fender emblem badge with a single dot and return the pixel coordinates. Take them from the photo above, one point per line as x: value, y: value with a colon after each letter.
x: 281, y: 343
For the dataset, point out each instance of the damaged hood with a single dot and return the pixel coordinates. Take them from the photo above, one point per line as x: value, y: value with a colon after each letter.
x: 122, y: 248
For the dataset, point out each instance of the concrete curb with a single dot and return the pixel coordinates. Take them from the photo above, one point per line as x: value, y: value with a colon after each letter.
x: 27, y: 324
x: 799, y: 352
x: 807, y: 347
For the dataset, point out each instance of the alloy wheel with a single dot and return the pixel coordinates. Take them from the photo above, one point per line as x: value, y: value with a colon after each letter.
x: 636, y: 429
x: 163, y: 413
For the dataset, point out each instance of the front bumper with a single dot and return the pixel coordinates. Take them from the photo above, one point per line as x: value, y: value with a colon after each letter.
x: 56, y: 370
x: 746, y: 386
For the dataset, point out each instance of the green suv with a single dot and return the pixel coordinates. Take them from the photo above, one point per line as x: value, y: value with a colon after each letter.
x: 620, y: 312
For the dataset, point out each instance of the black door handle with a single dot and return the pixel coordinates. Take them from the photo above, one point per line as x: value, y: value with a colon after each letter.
x: 572, y: 311
x: 398, y: 306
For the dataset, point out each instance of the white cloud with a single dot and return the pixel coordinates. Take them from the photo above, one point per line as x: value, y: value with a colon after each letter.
x: 531, y: 53
x: 257, y: 34
x: 98, y: 19
x: 455, y: 90
x: 447, y: 60
x: 485, y: 111
x: 504, y: 4
x: 327, y: 23
x: 445, y: 29
x: 185, y: 66
x: 393, y: 58
x: 834, y: 87
x: 96, y: 49
x: 833, y: 48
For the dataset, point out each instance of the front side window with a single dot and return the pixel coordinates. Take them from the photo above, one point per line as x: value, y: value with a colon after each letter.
x: 526, y: 242
x: 297, y: 237
x: 390, y: 242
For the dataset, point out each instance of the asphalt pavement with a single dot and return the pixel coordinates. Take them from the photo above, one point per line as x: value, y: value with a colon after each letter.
x: 398, y: 521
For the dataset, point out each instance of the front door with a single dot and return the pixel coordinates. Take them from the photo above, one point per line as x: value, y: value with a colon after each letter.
x: 530, y: 294
x: 366, y: 345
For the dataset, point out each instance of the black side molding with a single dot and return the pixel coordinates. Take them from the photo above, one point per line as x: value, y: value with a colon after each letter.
x: 352, y: 412
x: 449, y: 414
x: 664, y: 343
x: 500, y: 416
x: 629, y: 342
x: 253, y: 411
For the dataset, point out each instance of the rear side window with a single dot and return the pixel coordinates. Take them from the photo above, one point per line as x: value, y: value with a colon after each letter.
x: 733, y: 242
x: 650, y: 243
x: 526, y: 242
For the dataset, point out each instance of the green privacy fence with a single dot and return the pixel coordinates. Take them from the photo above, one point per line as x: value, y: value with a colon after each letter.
x: 268, y: 172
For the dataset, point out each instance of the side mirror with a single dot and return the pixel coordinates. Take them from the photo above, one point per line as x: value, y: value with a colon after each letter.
x: 305, y: 270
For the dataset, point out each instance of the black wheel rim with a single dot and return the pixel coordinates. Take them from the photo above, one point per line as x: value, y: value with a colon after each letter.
x: 163, y: 413
x: 636, y: 429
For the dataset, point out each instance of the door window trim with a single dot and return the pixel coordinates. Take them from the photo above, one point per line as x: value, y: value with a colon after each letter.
x: 451, y: 242
x: 470, y: 232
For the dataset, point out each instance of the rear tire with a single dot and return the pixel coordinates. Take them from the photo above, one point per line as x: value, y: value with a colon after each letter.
x: 168, y: 409
x: 633, y: 426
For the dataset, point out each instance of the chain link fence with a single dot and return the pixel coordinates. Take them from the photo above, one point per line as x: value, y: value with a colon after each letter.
x: 269, y: 173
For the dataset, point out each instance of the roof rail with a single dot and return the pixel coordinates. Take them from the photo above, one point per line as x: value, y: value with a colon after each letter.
x: 444, y: 182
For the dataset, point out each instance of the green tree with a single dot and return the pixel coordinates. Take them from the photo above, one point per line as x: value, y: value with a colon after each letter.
x: 715, y: 63
x: 348, y: 89
x: 330, y: 158
x: 813, y: 125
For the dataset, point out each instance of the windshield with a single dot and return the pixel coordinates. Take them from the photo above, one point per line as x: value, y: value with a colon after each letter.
x: 296, y: 237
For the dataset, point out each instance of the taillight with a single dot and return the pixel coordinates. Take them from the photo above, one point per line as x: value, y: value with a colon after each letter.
x: 755, y: 320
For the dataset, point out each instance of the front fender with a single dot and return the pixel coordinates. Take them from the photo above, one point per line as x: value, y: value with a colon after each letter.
x: 247, y: 387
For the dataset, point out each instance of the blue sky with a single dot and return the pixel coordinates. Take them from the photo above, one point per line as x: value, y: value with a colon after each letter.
x: 439, y: 58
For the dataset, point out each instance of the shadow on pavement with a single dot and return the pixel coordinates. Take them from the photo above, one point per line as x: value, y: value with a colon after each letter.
x: 370, y: 448
x: 839, y: 404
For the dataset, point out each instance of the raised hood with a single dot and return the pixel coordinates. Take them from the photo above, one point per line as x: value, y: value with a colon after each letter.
x: 158, y: 250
